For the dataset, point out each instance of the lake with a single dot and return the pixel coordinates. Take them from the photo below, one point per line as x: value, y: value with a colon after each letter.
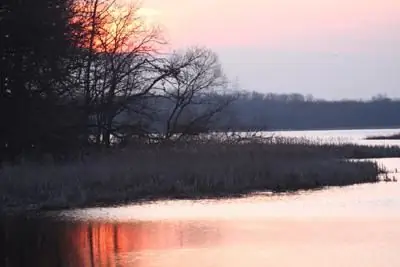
x: 350, y: 226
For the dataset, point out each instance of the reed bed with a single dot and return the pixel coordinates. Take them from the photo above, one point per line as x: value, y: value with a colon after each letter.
x: 187, y: 170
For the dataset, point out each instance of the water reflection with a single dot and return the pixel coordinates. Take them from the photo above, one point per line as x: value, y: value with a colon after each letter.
x: 333, y: 242
x: 55, y: 243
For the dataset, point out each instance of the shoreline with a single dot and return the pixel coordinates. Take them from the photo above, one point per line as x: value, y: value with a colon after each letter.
x: 36, y: 209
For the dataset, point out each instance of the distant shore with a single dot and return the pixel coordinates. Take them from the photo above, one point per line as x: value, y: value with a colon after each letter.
x: 187, y: 171
x: 384, y: 137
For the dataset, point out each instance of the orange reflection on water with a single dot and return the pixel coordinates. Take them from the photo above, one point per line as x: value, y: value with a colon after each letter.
x: 108, y: 244
x: 278, y: 242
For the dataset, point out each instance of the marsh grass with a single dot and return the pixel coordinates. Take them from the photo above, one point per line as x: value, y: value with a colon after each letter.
x: 187, y: 170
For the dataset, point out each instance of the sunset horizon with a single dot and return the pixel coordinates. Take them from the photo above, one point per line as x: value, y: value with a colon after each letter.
x: 177, y: 133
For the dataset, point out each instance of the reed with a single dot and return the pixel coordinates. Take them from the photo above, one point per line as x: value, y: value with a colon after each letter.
x: 187, y: 170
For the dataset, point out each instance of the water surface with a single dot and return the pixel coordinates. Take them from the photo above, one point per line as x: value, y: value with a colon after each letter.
x: 344, y: 136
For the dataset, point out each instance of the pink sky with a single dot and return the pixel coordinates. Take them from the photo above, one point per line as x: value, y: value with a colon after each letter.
x: 328, y: 48
x: 270, y: 22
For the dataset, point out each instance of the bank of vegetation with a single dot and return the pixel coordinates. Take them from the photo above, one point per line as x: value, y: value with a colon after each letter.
x: 188, y: 170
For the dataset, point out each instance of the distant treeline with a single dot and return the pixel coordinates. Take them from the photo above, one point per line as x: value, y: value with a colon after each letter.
x: 255, y: 111
x: 295, y: 111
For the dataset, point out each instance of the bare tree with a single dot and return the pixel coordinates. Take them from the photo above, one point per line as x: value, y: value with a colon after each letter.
x: 121, y: 77
x: 195, y: 95
x: 118, y: 66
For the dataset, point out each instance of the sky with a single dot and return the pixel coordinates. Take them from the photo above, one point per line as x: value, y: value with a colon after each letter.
x: 332, y: 49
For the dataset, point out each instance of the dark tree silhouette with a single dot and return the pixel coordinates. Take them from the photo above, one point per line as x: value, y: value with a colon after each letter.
x: 35, y: 42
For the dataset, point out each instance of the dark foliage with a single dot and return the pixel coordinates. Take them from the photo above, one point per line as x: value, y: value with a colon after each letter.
x: 35, y: 43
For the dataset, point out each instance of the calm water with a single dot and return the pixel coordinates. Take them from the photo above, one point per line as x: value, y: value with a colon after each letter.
x: 357, y: 226
x: 347, y: 136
